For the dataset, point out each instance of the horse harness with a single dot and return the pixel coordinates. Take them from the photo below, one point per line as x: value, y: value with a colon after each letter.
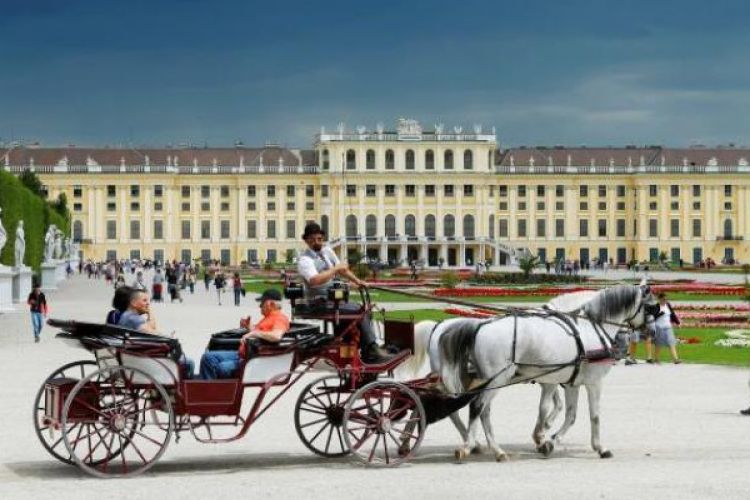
x: 568, y: 323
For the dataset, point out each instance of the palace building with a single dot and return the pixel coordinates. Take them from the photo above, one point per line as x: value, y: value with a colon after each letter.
x: 443, y: 196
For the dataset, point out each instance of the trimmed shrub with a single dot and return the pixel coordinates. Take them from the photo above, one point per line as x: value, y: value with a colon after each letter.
x: 521, y: 278
x: 19, y: 203
x: 449, y: 279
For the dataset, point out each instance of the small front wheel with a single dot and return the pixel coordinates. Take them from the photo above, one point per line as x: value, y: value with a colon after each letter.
x: 319, y: 415
x: 384, y: 423
x: 116, y: 407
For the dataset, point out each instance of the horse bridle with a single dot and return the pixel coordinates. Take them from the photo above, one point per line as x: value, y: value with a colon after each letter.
x: 641, y: 305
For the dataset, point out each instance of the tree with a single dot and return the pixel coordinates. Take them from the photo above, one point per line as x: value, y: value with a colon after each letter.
x: 61, y: 205
x: 354, y: 257
x: 32, y: 182
x: 527, y: 264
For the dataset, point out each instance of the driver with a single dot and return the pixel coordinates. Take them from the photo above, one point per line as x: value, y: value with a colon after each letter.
x: 318, y: 265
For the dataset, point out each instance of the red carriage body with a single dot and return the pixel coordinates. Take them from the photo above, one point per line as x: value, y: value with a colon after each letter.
x: 117, y: 414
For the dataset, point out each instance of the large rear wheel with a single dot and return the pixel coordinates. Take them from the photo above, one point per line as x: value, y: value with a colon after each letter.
x: 50, y: 436
x: 116, y: 410
x: 319, y: 415
x: 384, y: 423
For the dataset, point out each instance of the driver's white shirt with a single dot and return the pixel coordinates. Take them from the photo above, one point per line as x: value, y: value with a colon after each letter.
x: 311, y: 264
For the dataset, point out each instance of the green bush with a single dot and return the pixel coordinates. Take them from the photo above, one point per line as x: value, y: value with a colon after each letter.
x: 449, y: 279
x: 521, y: 278
x: 19, y: 203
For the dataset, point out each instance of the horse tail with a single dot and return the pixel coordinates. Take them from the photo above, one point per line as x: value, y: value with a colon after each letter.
x: 413, y: 365
x: 456, y: 347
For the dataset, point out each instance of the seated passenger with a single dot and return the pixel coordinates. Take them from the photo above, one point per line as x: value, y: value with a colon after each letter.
x: 138, y: 317
x: 273, y: 326
x: 120, y: 303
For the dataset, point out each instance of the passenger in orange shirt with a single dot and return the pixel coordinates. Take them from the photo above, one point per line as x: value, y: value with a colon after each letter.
x: 273, y: 326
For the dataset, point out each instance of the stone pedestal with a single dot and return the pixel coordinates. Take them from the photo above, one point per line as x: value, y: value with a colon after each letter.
x: 21, y: 284
x: 49, y: 276
x: 61, y: 273
x: 6, y: 289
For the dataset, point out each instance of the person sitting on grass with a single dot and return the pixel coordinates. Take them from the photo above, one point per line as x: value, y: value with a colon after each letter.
x: 273, y: 326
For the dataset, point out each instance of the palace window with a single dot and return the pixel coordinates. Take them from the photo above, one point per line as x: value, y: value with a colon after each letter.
x: 271, y: 191
x: 583, y: 206
x: 468, y: 160
x: 429, y: 160
x: 468, y: 190
x: 111, y: 206
x: 271, y: 229
x: 158, y: 191
x: 111, y: 230
x: 620, y: 191
x: 111, y: 190
x: 370, y: 190
x: 448, y: 190
x: 583, y: 191
x: 224, y: 191
x: 390, y: 160
x: 291, y: 192
x: 326, y: 160
x: 158, y: 229
x: 135, y: 230
x: 522, y: 191
x: 674, y: 228
x: 697, y: 228
x: 559, y: 191
x: 390, y: 190
x: 448, y: 160
x: 410, y: 159
x: 429, y: 226
x: 410, y: 190
x: 291, y: 229
x: 602, y: 191
x: 620, y: 228
x: 351, y: 160
x: 653, y: 189
x: 370, y: 160
x: 429, y: 190
x: 653, y: 228
x: 449, y: 226
x: 185, y: 230
x: 583, y: 228
x: 77, y: 191
x: 469, y: 232
x: 251, y: 191
x: 540, y: 191
x: 135, y: 206
x: 310, y: 191
x: 541, y: 228
x: 559, y: 228
x: 674, y: 190
x: 696, y: 190
x: 521, y: 228
x: 185, y: 191
x: 602, y: 228
x: 206, y: 229
x: 351, y: 190
x: 727, y: 190
x: 252, y: 229
x: 502, y: 228
x: 205, y: 191
x: 135, y: 190
x: 502, y: 191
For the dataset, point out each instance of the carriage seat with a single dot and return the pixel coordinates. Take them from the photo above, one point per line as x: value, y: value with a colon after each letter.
x: 299, y: 336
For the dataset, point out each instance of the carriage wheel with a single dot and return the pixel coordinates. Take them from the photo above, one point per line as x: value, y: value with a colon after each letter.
x: 50, y: 437
x: 119, y: 433
x: 384, y: 423
x: 319, y: 415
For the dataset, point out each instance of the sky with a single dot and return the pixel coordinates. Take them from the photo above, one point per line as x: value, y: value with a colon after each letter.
x: 542, y: 72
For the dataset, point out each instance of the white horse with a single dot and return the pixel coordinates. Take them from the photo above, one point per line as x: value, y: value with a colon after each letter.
x: 541, y: 346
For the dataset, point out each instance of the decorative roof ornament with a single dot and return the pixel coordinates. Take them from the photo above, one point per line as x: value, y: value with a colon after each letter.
x: 408, y: 128
x: 712, y: 162
x: 742, y: 162
x: 531, y: 161
x: 477, y: 128
x: 439, y: 128
x: 63, y: 162
x: 340, y: 128
x: 380, y: 128
x: 458, y: 129
x: 90, y: 162
x: 361, y: 129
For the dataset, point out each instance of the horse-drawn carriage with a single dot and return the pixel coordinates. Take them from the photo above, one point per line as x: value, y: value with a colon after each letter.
x: 115, y: 415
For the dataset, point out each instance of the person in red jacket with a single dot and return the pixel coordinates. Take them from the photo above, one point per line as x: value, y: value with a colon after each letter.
x: 38, y: 306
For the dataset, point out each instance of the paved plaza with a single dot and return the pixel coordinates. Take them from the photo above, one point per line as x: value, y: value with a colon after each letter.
x: 674, y: 430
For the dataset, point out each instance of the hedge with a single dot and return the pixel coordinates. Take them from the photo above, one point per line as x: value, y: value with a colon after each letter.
x: 19, y: 203
x: 519, y: 278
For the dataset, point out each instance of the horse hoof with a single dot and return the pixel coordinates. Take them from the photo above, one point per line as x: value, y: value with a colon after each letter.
x: 501, y: 457
x: 546, y: 448
x: 477, y: 450
x: 605, y: 454
x: 404, y: 450
x: 460, y: 454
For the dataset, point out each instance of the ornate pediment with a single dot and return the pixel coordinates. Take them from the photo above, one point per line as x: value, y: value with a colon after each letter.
x: 409, y: 129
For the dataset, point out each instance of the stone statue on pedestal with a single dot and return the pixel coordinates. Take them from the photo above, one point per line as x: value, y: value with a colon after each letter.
x: 58, y: 253
x: 49, y: 244
x: 20, y: 246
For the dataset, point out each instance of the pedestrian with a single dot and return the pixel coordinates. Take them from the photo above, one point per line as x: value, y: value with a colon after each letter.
x: 157, y: 286
x: 139, y: 283
x: 191, y: 281
x: 219, y: 284
x: 39, y: 310
x: 206, y: 278
x: 237, y: 286
x: 664, y: 332
x: 635, y: 337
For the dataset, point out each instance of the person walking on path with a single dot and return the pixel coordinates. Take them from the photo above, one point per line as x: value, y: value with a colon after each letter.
x: 38, y: 306
x: 206, y: 278
x: 191, y: 281
x: 237, y: 286
x: 664, y: 332
x: 219, y: 282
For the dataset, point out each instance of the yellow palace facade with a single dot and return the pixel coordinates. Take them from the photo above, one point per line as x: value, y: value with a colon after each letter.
x: 444, y: 196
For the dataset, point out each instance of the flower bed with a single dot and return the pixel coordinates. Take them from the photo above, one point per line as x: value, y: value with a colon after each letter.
x: 505, y: 292
x: 701, y: 288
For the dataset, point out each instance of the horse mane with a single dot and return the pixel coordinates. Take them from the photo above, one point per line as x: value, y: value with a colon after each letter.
x: 610, y: 303
x: 571, y: 302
